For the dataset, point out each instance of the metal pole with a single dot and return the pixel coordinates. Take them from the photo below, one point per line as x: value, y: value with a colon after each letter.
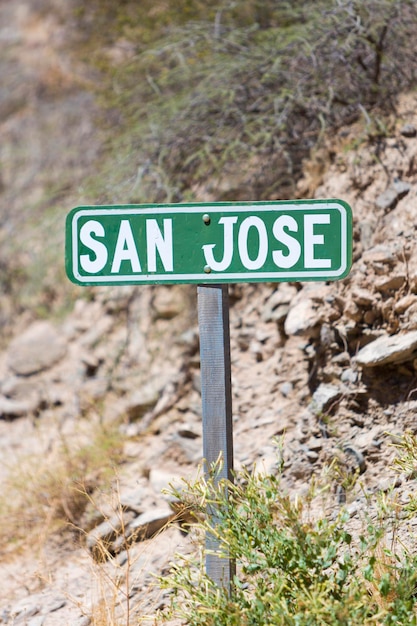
x: 216, y: 395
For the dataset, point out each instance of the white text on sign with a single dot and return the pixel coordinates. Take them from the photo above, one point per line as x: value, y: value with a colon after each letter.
x: 283, y: 225
x: 160, y: 242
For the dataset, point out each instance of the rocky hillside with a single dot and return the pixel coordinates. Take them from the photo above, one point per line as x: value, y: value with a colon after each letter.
x: 100, y: 404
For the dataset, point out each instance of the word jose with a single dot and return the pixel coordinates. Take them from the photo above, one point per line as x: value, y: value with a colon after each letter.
x: 246, y: 242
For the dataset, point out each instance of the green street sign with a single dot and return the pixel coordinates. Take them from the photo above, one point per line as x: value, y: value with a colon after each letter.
x: 248, y: 242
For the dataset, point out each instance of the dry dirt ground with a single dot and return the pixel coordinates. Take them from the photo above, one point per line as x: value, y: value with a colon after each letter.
x: 303, y: 368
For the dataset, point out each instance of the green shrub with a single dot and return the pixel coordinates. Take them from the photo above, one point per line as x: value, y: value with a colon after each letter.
x: 293, y: 568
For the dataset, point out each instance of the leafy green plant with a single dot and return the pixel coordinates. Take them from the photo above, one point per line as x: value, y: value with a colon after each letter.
x: 293, y: 568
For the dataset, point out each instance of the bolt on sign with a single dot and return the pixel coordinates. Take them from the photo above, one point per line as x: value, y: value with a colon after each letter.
x: 278, y: 241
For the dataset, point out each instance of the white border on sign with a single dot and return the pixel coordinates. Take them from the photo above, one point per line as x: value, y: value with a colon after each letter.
x: 203, y: 277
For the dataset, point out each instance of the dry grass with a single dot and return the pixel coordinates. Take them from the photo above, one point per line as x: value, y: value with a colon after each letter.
x: 46, y: 493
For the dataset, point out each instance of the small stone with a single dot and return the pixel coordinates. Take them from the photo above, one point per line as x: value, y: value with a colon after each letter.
x: 388, y: 200
x: 401, y: 187
x: 132, y: 500
x: 327, y: 336
x: 300, y: 469
x: 286, y: 388
x: 101, y: 540
x: 388, y: 349
x: 278, y: 304
x: 405, y: 303
x: 349, y: 376
x: 356, y: 456
x: 10, y: 409
x: 149, y: 523
x: 304, y: 318
x: 408, y: 130
x: 189, y: 432
x: 37, y: 621
x: 162, y: 481
x: 140, y: 402
x: 324, y: 396
x: 167, y: 303
x: 383, y: 253
x: 54, y: 605
x: 312, y: 456
x: 370, y: 316
x: 387, y: 484
x: 37, y: 349
x: 24, y: 610
x: 352, y: 311
x: 277, y: 315
x: 341, y: 359
x: 82, y: 621
x: 389, y: 283
x: 363, y: 297
x: 315, y: 444
x: 352, y: 509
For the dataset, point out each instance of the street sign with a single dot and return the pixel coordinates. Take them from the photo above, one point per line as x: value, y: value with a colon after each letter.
x: 248, y: 242
x: 211, y: 244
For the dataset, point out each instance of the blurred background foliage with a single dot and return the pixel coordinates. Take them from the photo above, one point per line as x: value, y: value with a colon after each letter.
x: 226, y: 99
x: 179, y: 100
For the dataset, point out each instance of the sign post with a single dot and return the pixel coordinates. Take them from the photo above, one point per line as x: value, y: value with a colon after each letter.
x: 211, y: 245
x: 216, y: 396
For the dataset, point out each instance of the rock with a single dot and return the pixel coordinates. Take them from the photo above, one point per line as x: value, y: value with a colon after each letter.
x: 304, y: 318
x: 10, y: 409
x: 37, y: 349
x: 278, y: 314
x: 356, y: 457
x: 352, y: 311
x: 277, y: 306
x: 383, y: 253
x: 132, y: 500
x: 388, y: 200
x: 370, y: 316
x: 286, y: 388
x: 35, y: 609
x: 24, y: 610
x: 392, y: 282
x: 168, y: 303
x: 140, y: 402
x: 82, y: 621
x: 369, y: 439
x: 149, y: 523
x: 300, y: 469
x: 349, y: 376
x: 189, y: 431
x: 37, y: 621
x: 327, y: 336
x: 162, y: 481
x: 324, y: 396
x: 388, y: 349
x: 405, y: 303
x: 363, y: 297
x: 315, y: 444
x: 21, y: 397
x: 343, y: 358
x: 408, y: 130
x: 101, y: 540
